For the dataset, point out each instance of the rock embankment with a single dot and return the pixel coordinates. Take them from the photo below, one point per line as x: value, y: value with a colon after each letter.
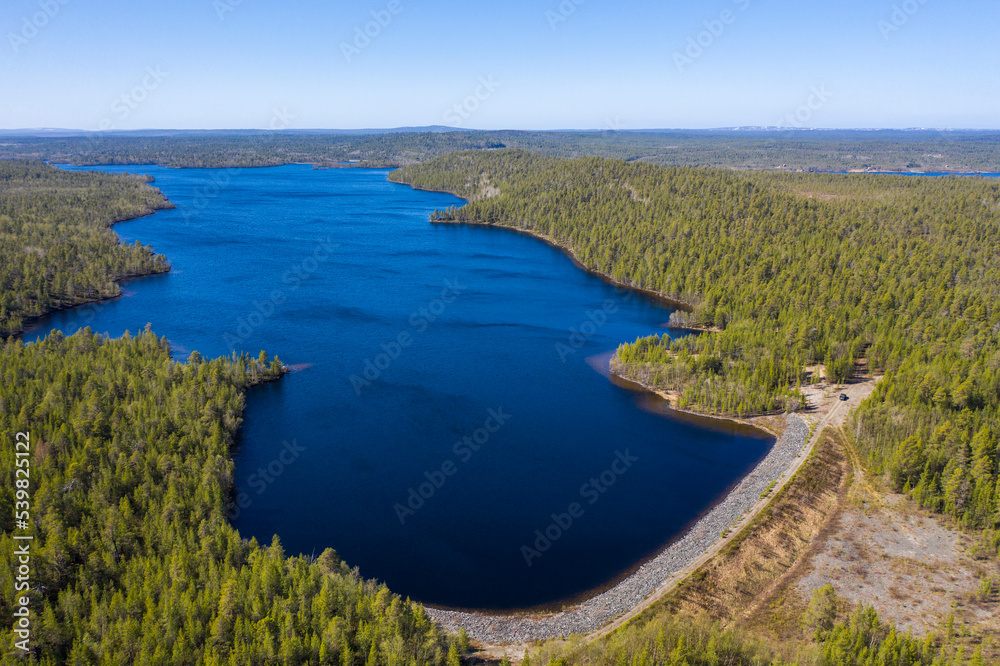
x: 605, y: 607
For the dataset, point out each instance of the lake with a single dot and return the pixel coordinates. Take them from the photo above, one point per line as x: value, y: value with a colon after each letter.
x: 449, y: 426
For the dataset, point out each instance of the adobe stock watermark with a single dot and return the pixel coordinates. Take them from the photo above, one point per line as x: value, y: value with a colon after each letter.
x: 702, y: 41
x: 591, y: 492
x: 123, y: 105
x: 32, y: 25
x: 223, y: 7
x: 249, y: 323
x: 220, y: 179
x: 463, y: 451
x: 261, y: 479
x: 582, y: 333
x: 463, y: 110
x: 363, y: 35
x: 900, y: 16
x: 562, y: 13
x: 816, y: 100
x: 203, y: 194
x: 419, y: 322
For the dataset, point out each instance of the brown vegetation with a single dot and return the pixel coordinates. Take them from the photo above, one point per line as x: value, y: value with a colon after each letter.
x: 735, y: 582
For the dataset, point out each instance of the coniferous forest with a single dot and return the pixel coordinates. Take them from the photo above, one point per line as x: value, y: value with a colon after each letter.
x: 135, y: 561
x: 56, y: 246
x: 790, y: 149
x: 792, y: 275
x: 131, y: 476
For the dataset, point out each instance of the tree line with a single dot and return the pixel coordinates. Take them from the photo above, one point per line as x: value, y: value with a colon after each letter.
x: 826, y: 150
x: 56, y: 246
x: 798, y: 275
x: 134, y: 560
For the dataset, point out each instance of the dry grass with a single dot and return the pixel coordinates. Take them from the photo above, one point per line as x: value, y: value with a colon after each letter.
x: 737, y: 582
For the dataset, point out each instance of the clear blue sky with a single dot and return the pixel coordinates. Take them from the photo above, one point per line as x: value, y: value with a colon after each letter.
x: 234, y: 63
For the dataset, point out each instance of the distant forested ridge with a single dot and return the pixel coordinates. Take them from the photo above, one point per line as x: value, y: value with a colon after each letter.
x: 56, y: 246
x: 816, y: 150
x: 796, y: 273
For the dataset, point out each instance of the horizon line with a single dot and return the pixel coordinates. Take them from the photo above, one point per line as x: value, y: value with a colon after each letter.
x: 443, y: 129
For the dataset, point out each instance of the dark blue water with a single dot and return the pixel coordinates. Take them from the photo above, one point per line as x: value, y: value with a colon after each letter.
x: 462, y: 331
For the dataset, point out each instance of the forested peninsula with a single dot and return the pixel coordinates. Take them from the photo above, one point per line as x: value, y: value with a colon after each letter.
x: 56, y: 246
x: 796, y: 273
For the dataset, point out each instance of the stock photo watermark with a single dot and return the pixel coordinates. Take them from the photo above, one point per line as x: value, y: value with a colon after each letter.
x: 900, y: 16
x: 419, y: 322
x: 590, y: 492
x: 262, y: 479
x: 293, y: 278
x: 816, y: 100
x: 562, y: 13
x: 463, y: 450
x: 223, y: 7
x: 463, y: 110
x: 32, y: 25
x: 123, y: 105
x: 614, y: 124
x: 364, y: 35
x: 581, y: 334
x: 280, y: 119
x: 22, y: 550
x: 130, y: 101
x: 698, y: 43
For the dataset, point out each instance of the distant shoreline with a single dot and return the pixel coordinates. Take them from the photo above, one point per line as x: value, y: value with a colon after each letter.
x: 929, y: 174
x: 28, y: 324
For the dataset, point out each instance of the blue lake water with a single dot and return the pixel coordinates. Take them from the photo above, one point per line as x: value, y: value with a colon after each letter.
x: 479, y: 416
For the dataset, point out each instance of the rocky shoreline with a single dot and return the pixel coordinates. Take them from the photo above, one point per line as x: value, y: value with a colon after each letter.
x: 603, y: 608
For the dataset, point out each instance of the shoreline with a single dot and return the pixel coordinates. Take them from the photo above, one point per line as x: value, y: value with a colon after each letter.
x: 754, y: 421
x: 675, y: 303
x: 118, y: 280
x: 28, y: 325
x: 611, y: 607
x: 656, y: 576
x: 648, y: 582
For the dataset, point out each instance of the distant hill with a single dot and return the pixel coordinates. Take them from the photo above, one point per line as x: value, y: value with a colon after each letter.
x: 42, y: 132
